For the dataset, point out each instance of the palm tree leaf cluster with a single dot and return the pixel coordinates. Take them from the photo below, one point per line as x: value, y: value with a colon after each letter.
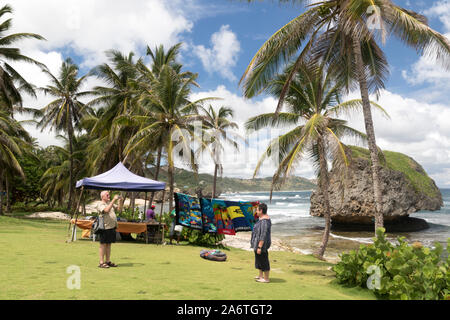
x: 341, y: 38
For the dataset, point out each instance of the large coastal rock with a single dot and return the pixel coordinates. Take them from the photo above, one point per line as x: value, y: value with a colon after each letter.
x: 406, y: 188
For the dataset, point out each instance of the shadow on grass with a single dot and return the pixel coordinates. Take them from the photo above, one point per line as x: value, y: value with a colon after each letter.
x: 129, y: 264
x: 277, y: 280
x: 317, y: 263
x: 314, y: 273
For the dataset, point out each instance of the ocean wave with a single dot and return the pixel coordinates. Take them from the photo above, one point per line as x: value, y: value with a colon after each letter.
x: 279, y: 220
x: 361, y: 240
x: 292, y: 214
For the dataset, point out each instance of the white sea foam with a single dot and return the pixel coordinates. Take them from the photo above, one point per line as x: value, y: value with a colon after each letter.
x: 361, y: 240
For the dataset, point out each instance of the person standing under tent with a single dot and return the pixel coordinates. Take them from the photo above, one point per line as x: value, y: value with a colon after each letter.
x: 107, y: 209
x: 150, y: 214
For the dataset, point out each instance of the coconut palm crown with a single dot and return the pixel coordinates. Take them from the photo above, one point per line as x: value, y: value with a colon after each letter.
x: 313, y: 104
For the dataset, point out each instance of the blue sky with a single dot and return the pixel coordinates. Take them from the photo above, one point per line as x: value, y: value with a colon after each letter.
x: 220, y: 38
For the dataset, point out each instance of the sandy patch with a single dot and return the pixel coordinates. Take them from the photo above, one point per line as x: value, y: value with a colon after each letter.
x: 50, y: 215
x: 242, y: 241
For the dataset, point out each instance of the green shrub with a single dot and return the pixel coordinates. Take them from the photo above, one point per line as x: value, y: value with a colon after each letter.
x: 198, y: 238
x: 194, y: 237
x: 129, y: 214
x: 21, y: 207
x: 399, y: 271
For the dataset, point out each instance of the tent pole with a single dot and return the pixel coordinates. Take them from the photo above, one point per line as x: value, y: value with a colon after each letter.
x: 162, y: 205
x: 76, y: 213
x: 132, y: 199
x: 160, y: 216
x: 145, y: 206
x: 72, y: 214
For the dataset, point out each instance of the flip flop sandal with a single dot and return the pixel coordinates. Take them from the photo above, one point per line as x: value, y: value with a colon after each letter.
x: 263, y: 280
x: 103, y: 265
x: 111, y: 264
x: 257, y: 277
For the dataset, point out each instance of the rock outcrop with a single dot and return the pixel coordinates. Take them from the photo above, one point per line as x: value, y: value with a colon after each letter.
x: 406, y: 188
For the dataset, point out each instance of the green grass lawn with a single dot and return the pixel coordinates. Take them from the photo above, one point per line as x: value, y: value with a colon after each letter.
x: 34, y: 259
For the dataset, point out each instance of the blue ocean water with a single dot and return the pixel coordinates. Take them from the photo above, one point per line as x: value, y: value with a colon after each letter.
x: 291, y: 222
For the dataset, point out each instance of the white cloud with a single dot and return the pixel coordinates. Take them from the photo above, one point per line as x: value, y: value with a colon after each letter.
x: 222, y: 56
x: 90, y: 28
x: 417, y: 129
x: 34, y: 75
x: 441, y: 9
x: 427, y: 70
x: 242, y: 164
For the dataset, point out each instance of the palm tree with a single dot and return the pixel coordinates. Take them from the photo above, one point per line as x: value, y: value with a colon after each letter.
x: 313, y: 101
x: 13, y: 140
x: 11, y: 82
x: 65, y: 112
x: 147, y: 78
x: 340, y: 34
x: 118, y: 102
x: 217, y: 125
x: 170, y: 117
x: 57, y: 162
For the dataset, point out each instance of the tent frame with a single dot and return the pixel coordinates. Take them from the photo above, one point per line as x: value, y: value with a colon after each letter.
x: 76, y: 214
x: 83, y: 187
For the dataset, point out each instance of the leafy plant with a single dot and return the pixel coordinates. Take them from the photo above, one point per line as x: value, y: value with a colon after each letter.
x: 403, y: 271
x: 199, y: 238
x: 129, y: 214
x: 194, y: 237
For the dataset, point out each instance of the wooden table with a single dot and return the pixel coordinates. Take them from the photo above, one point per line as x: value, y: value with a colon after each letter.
x: 128, y: 227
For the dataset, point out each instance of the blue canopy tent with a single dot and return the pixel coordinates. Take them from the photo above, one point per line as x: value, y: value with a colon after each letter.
x: 119, y: 178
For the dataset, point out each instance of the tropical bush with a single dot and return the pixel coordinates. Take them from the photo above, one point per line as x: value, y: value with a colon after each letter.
x: 129, y: 214
x: 194, y: 237
x: 401, y: 271
x: 198, y: 238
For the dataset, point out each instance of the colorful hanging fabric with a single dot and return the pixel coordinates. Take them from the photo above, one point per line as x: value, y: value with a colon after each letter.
x: 224, y: 222
x: 241, y: 214
x: 209, y: 220
x: 188, y: 211
x: 249, y: 211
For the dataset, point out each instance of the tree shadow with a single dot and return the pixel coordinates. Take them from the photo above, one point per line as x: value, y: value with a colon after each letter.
x: 314, y: 273
x: 317, y: 263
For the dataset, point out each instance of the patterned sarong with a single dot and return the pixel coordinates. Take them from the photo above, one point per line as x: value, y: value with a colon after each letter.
x: 188, y: 211
x: 214, y: 215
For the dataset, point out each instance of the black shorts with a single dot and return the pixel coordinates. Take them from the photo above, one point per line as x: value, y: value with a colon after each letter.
x: 108, y: 236
x: 262, y: 261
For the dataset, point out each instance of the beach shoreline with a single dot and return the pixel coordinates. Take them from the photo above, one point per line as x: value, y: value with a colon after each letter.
x: 241, y: 241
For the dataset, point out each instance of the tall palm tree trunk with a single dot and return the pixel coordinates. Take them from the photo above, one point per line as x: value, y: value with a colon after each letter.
x: 170, y: 173
x: 8, y: 193
x: 216, y: 168
x: 368, y: 122
x: 323, y: 183
x: 71, y: 179
x: 158, y: 165
x: 1, y: 193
